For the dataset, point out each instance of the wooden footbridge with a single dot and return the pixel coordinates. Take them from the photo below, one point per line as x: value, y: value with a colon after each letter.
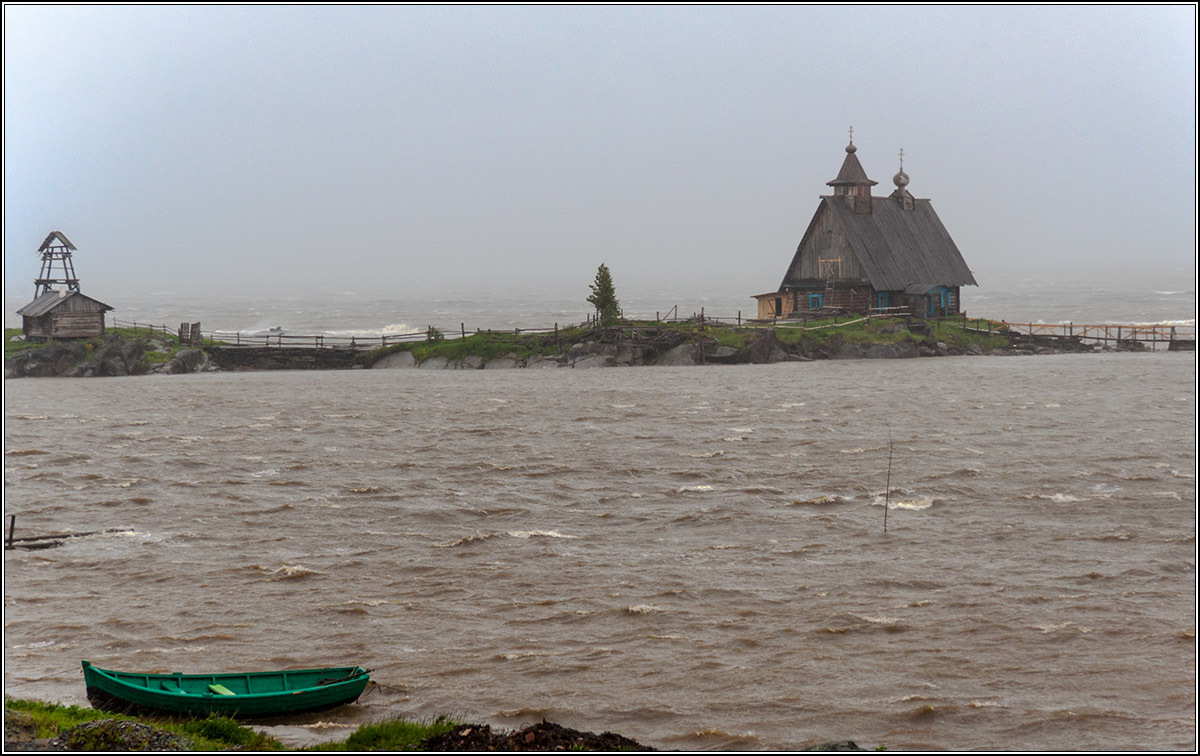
x: 1176, y: 337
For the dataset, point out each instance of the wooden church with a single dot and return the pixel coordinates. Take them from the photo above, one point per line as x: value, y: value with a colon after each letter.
x: 863, y: 253
x: 59, y: 310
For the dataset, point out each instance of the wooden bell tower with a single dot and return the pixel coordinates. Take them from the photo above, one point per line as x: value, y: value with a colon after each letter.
x: 56, y: 256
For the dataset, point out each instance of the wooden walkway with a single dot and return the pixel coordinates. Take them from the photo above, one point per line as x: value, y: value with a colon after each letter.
x: 1175, y: 336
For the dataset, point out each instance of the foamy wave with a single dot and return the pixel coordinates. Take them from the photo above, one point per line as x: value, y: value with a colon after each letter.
x: 642, y: 609
x: 880, y: 620
x: 512, y: 655
x: 686, y: 489
x: 830, y: 499
x: 706, y: 455
x: 913, y: 504
x: 1057, y: 498
x: 538, y: 534
x: 288, y: 572
x: 468, y: 539
x: 123, y: 484
x: 392, y: 329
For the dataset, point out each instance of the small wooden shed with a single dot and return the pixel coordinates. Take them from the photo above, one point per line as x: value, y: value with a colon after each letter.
x: 63, y: 315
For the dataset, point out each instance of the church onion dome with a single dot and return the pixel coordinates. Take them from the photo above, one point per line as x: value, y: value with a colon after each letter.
x: 900, y: 179
x: 852, y: 173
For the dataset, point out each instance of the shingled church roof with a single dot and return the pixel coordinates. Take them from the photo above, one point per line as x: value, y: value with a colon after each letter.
x: 899, y: 248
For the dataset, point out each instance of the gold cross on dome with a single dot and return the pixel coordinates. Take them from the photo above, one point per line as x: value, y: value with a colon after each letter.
x: 901, y: 158
x: 851, y: 135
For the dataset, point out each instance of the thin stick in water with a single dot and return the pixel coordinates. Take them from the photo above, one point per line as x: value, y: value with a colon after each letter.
x: 887, y: 488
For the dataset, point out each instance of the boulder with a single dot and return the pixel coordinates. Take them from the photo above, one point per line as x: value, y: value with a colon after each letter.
x: 397, y: 360
x: 765, y: 348
x: 433, y: 363
x: 722, y: 355
x: 541, y: 361
x: 506, y: 362
x: 684, y: 354
x: 594, y: 361
x: 849, y: 352
x: 186, y: 361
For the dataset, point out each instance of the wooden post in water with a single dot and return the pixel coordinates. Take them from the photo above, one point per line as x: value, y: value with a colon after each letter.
x: 463, y: 327
x: 12, y: 523
x: 887, y: 487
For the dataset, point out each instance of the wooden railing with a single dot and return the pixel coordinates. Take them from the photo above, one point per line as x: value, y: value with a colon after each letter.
x: 1147, y: 333
x: 1153, y: 334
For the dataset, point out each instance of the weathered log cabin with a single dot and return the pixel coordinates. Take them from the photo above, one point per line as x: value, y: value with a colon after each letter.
x: 63, y: 314
x: 863, y: 254
x: 59, y: 310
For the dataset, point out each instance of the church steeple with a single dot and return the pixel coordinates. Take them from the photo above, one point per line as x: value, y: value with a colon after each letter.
x: 852, y: 182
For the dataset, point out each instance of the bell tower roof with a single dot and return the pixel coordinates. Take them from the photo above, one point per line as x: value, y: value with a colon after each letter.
x: 852, y: 173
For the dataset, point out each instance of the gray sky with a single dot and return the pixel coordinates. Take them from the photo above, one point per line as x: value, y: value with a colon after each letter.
x: 315, y: 149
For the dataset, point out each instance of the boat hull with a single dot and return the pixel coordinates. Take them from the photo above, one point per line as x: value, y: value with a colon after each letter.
x: 247, y: 695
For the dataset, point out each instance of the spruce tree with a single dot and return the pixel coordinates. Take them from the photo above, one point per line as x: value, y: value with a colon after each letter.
x: 604, y: 297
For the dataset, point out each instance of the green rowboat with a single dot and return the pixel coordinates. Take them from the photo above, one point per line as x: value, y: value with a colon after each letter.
x: 243, y: 695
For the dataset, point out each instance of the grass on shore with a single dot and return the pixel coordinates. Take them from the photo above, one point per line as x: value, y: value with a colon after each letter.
x: 825, y: 334
x: 40, y: 720
x: 166, y: 345
x: 830, y: 333
x: 46, y: 720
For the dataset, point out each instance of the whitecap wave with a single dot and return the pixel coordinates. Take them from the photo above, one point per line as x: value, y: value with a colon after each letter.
x: 538, y: 534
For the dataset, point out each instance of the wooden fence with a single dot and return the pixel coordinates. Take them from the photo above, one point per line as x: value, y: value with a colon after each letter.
x: 310, y: 341
x: 1174, y: 335
x: 1124, y: 332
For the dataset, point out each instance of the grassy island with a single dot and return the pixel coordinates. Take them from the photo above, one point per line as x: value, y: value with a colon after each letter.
x: 717, y: 342
x: 129, y: 351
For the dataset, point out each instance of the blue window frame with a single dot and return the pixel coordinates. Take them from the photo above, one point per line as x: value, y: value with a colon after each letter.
x: 882, y: 300
x: 814, y: 301
x: 939, y: 299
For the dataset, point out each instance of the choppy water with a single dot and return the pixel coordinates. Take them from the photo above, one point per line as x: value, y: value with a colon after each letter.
x: 692, y: 557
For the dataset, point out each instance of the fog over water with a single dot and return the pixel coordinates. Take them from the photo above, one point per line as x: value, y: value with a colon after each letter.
x: 299, y: 151
x: 693, y: 557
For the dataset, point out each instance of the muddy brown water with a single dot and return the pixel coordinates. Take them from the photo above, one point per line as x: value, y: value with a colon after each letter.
x: 691, y: 557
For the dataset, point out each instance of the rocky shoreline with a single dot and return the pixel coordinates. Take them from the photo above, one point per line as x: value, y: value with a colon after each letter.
x: 116, y: 355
